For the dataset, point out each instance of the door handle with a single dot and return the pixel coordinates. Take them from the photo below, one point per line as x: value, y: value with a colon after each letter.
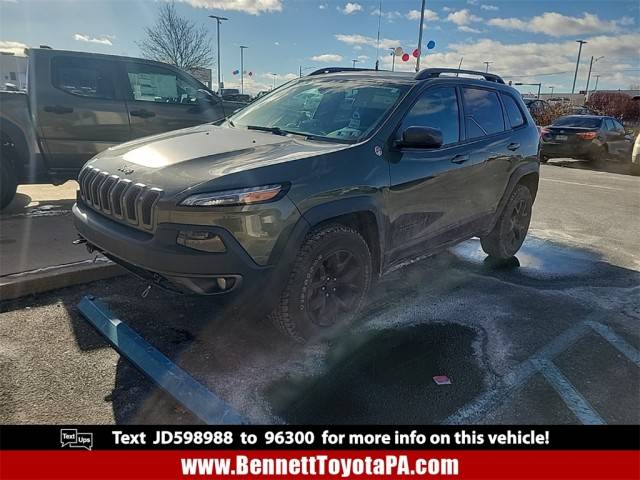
x: 460, y: 158
x: 513, y: 146
x: 57, y: 109
x: 142, y: 113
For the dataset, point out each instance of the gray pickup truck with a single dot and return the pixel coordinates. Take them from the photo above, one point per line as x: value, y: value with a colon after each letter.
x: 78, y: 104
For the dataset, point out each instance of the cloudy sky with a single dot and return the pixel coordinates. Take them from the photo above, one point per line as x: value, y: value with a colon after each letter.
x: 525, y: 40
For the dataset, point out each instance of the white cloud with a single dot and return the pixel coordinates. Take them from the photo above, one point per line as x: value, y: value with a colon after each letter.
x: 322, y: 6
x: 468, y: 29
x: 429, y: 15
x: 559, y: 25
x: 462, y: 17
x: 277, y: 44
x: 350, y: 8
x: 357, y: 39
x: 102, y: 39
x: 388, y: 16
x: 489, y: 8
x: 252, y: 7
x: 17, y: 48
x: 472, y: 2
x: 362, y: 58
x: 327, y: 58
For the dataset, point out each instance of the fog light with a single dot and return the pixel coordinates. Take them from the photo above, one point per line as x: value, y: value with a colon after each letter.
x: 201, y: 240
x: 222, y: 283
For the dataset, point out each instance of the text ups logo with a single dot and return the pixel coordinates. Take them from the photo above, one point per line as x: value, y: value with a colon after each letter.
x: 70, y: 437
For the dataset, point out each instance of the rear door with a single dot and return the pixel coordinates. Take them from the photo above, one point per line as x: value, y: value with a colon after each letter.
x: 79, y: 109
x: 617, y: 141
x: 160, y: 99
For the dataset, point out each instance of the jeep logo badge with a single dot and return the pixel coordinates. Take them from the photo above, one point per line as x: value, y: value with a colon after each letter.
x: 126, y: 169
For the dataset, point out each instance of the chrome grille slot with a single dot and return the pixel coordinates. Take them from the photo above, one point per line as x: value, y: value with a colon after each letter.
x: 129, y: 202
x: 147, y: 203
x: 119, y: 198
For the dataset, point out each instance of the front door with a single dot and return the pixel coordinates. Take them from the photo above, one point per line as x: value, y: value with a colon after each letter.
x: 80, y: 111
x: 162, y: 99
x: 432, y: 193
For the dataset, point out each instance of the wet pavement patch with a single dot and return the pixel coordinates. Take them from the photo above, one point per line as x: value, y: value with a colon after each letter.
x: 386, y: 378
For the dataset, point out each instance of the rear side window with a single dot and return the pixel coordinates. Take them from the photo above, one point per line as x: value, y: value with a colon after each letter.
x: 516, y: 119
x: 483, y: 112
x: 85, y: 77
x: 609, y: 124
x: 150, y: 83
x: 436, y: 108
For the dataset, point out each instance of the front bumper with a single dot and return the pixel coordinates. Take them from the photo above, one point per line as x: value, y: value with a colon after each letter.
x: 158, y: 258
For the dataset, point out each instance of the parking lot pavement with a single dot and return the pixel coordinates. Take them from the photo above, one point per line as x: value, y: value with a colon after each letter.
x: 551, y: 337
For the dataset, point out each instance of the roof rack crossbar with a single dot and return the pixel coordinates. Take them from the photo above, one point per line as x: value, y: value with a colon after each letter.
x: 436, y: 72
x: 339, y: 69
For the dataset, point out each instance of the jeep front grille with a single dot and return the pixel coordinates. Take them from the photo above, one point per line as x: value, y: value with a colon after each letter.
x: 120, y: 198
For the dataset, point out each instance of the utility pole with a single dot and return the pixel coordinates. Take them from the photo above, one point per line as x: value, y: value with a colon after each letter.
x: 487, y: 64
x: 575, y: 76
x: 242, y: 47
x: 420, y: 37
x: 593, y: 60
x: 218, y: 21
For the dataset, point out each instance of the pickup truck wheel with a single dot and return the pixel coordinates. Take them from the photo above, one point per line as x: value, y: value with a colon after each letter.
x: 8, y: 183
x: 327, y: 285
x: 512, y: 226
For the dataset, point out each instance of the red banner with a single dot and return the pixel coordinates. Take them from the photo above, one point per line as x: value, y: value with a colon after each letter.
x: 490, y: 465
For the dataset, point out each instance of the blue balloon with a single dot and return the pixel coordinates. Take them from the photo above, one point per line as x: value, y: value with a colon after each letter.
x: 431, y: 44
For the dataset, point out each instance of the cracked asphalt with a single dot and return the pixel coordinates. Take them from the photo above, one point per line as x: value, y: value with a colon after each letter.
x: 552, y: 337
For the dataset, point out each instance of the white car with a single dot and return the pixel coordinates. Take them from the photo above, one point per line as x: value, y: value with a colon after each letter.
x: 635, y: 156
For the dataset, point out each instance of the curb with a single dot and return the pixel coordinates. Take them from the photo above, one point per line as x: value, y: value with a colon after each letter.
x: 59, y: 276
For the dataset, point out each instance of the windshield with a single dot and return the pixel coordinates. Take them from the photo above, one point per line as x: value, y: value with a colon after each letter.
x: 341, y: 110
x: 585, y: 122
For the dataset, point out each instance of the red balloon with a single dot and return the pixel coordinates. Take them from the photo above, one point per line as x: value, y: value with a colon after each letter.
x: 405, y: 57
x: 416, y: 53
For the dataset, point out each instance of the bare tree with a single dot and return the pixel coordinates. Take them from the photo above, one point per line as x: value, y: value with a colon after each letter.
x: 177, y: 41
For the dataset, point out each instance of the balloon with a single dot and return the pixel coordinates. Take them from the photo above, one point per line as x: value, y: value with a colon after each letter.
x: 399, y: 51
x: 431, y: 44
x: 416, y: 53
x: 405, y: 57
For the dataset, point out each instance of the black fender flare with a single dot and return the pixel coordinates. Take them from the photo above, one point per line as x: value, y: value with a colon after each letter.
x: 524, y: 170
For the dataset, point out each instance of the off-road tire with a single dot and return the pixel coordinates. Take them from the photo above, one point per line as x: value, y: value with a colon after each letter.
x: 292, y: 316
x: 8, y: 182
x: 502, y: 243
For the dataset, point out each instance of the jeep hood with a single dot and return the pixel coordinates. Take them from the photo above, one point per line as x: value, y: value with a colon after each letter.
x: 185, y: 158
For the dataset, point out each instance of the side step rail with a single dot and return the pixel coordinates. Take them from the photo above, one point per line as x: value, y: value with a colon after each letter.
x: 194, y: 396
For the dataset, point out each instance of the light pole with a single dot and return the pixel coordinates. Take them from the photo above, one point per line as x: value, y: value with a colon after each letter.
x: 354, y: 62
x: 575, y: 76
x: 486, y: 70
x: 274, y: 80
x: 420, y: 37
x: 539, y: 85
x: 242, y: 47
x: 302, y: 69
x: 393, y: 62
x: 595, y: 89
x: 552, y: 87
x: 593, y: 60
x: 218, y: 21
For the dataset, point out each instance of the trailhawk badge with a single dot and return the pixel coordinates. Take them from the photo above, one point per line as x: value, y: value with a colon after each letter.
x: 126, y: 169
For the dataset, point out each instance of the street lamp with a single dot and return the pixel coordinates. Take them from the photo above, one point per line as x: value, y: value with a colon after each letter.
x: 575, y: 76
x: 551, y: 87
x: 354, y: 62
x: 593, y: 60
x: 274, y: 80
x: 218, y: 21
x: 393, y: 62
x: 242, y: 48
x: 487, y: 64
x: 302, y: 69
x: 420, y: 37
x: 539, y: 85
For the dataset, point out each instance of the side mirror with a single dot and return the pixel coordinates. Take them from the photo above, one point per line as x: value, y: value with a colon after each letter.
x: 420, y: 137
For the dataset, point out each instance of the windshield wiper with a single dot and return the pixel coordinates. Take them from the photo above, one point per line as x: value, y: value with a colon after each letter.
x: 276, y: 130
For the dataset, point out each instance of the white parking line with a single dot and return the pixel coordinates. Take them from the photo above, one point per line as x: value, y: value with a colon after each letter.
x: 617, y: 341
x: 568, y: 393
x: 581, y: 184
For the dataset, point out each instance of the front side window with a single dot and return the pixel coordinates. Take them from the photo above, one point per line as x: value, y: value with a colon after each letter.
x: 149, y: 83
x: 514, y: 113
x: 84, y: 77
x: 483, y: 112
x: 337, y: 109
x: 437, y: 109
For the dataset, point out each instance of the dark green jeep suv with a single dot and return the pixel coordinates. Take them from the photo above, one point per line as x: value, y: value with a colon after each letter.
x: 300, y: 200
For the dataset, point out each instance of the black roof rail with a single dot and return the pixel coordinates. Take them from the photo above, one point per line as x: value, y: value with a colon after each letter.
x: 436, y: 72
x: 321, y: 71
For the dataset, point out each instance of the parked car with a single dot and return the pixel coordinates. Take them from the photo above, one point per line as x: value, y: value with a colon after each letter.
x: 78, y: 104
x: 589, y: 137
x: 535, y: 106
x: 300, y: 209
